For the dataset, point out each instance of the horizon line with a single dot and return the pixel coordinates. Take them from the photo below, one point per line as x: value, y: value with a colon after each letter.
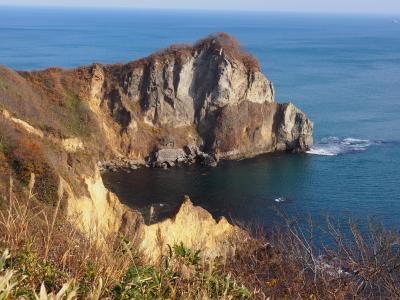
x: 233, y: 10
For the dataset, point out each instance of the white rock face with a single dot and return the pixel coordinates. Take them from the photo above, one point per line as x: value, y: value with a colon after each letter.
x: 205, y: 95
x: 180, y: 94
x: 72, y: 145
x: 295, y: 130
x: 260, y: 90
x: 25, y: 125
x: 196, y: 229
x: 100, y: 213
x: 169, y: 155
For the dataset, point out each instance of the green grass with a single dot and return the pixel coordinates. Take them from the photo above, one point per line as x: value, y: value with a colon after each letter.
x: 77, y: 121
x: 189, y: 256
x: 3, y: 85
x: 4, y: 148
x: 139, y: 282
x: 72, y: 100
x: 182, y: 277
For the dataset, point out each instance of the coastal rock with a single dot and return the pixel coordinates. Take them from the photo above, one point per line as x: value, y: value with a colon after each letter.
x: 211, y: 94
x: 200, y: 102
x: 208, y: 160
x: 99, y: 212
x: 118, y: 164
x: 195, y: 228
x: 165, y: 158
x: 294, y: 129
x: 72, y: 145
x: 169, y: 157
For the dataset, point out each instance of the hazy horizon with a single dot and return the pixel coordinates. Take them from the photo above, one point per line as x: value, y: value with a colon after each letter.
x: 391, y: 7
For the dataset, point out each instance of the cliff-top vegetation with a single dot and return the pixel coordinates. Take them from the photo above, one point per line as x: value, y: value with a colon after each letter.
x: 220, y: 43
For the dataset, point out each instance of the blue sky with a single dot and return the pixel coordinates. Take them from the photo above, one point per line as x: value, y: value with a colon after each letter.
x: 349, y: 6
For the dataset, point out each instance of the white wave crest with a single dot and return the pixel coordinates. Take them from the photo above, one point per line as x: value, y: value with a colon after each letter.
x: 280, y: 199
x: 333, y: 146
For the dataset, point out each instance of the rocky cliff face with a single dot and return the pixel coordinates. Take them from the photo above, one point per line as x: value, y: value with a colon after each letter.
x: 195, y: 228
x: 212, y: 95
x: 182, y: 104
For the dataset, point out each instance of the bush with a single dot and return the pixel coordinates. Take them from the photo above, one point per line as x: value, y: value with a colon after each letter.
x: 12, y: 287
x: 189, y: 257
x: 214, y: 42
x: 182, y: 277
x: 32, y: 270
x: 290, y: 264
x: 231, y: 46
x: 27, y: 158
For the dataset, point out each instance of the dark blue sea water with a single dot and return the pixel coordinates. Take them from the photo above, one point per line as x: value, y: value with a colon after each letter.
x: 343, y: 71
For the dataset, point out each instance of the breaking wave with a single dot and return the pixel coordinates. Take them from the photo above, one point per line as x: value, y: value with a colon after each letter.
x: 333, y: 146
x: 280, y: 199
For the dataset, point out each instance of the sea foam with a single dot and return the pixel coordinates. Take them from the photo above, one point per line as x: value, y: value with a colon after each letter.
x: 280, y: 199
x: 333, y: 146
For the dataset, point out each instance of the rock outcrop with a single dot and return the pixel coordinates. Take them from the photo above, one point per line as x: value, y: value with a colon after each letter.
x: 182, y: 105
x: 211, y: 95
x: 170, y: 157
x: 100, y: 212
x: 194, y: 227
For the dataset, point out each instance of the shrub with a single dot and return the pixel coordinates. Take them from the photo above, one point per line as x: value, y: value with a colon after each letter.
x: 27, y: 158
x: 289, y: 263
x: 231, y: 46
x: 32, y: 270
x: 182, y: 277
x: 214, y: 42
x: 12, y: 287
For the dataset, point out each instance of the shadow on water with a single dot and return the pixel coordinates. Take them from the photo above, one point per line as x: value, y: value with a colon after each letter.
x: 353, y: 184
x: 244, y: 191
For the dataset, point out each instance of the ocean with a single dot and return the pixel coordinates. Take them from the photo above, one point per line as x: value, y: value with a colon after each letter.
x: 343, y: 71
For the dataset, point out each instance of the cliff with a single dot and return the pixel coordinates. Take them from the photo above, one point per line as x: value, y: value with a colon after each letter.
x: 195, y: 228
x: 211, y: 95
x: 189, y: 102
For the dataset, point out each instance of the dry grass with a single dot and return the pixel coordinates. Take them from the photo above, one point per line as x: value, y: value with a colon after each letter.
x: 48, y: 253
x: 214, y: 43
x: 47, y: 250
x: 289, y: 264
x: 56, y: 103
x: 230, y: 46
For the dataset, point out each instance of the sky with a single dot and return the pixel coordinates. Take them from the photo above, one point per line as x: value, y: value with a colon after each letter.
x: 333, y: 6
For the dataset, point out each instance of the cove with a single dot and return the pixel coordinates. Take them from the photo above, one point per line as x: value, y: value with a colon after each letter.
x: 348, y: 178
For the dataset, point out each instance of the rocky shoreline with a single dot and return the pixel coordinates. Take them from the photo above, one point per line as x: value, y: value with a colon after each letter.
x: 163, y: 159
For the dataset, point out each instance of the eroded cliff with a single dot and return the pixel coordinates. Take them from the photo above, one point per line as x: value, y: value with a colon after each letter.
x: 190, y: 102
x: 194, y: 227
x: 211, y: 95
